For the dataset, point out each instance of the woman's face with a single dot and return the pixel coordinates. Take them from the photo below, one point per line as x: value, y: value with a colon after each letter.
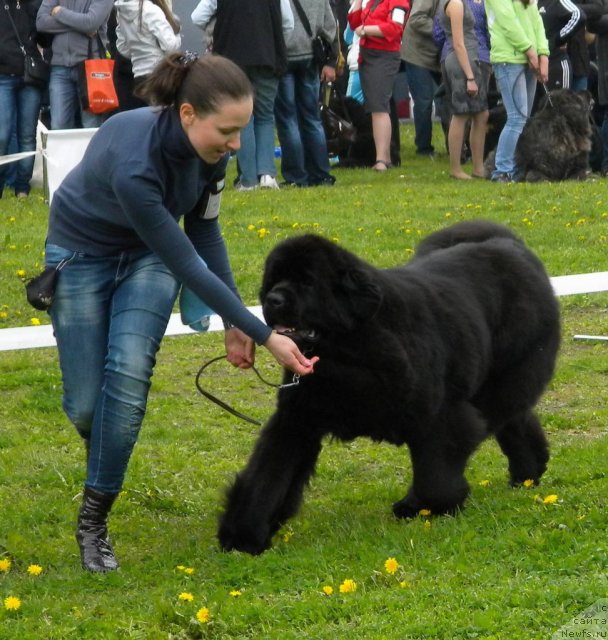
x: 218, y: 133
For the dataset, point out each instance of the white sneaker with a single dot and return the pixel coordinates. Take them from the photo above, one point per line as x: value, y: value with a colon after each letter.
x: 268, y: 182
x: 239, y: 186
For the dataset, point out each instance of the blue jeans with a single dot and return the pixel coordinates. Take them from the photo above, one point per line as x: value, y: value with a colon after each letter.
x: 517, y: 85
x: 66, y: 112
x: 19, y: 109
x: 109, y: 316
x: 256, y: 155
x: 422, y: 84
x: 304, y: 159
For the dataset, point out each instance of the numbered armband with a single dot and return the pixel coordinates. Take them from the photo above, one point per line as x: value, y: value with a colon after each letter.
x: 211, y: 200
x: 398, y: 15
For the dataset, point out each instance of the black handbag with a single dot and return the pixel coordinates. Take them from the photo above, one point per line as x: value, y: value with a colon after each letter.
x: 36, y: 71
x: 322, y: 50
x: 40, y: 290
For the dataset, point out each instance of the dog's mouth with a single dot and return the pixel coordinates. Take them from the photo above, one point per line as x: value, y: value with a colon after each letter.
x: 307, y: 335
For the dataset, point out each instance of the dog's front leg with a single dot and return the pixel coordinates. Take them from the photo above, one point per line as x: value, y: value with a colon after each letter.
x: 269, y: 490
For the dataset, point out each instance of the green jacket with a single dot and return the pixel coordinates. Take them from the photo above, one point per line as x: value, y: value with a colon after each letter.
x: 514, y: 28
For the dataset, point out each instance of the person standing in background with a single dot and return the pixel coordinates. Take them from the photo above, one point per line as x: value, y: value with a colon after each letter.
x: 146, y: 30
x: 252, y: 34
x: 73, y: 25
x: 379, y: 25
x: 304, y: 158
x: 19, y: 102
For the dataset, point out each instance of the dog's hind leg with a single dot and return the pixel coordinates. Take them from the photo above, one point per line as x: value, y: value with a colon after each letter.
x: 269, y: 490
x: 524, y: 443
x: 439, y: 462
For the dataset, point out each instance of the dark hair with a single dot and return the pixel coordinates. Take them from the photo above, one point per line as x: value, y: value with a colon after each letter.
x: 164, y: 7
x: 204, y: 82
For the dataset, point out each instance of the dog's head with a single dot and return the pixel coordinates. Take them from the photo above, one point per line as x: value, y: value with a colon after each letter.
x: 310, y: 284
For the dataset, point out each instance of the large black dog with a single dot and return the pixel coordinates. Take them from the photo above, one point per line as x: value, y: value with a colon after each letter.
x: 438, y: 354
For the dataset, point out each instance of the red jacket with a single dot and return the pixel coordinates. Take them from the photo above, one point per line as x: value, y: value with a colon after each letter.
x: 380, y: 13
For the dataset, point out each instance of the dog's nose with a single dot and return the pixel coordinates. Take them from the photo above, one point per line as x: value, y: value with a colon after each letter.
x: 275, y: 299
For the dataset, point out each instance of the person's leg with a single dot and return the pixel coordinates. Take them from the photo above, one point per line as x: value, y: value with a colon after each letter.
x: 28, y: 108
x: 8, y: 106
x: 514, y: 89
x: 88, y: 119
x: 381, y: 128
x: 604, y: 136
x: 292, y: 150
x: 63, y: 98
x: 422, y: 89
x: 455, y: 140
x: 477, y: 141
x: 310, y: 125
x: 263, y: 123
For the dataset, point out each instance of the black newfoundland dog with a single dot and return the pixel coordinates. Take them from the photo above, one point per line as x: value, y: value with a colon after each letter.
x: 438, y: 354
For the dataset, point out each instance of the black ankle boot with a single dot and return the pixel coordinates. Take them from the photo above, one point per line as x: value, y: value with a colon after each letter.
x: 96, y: 551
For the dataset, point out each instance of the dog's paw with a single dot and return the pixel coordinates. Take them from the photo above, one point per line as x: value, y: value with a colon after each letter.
x: 233, y: 538
x: 409, y: 507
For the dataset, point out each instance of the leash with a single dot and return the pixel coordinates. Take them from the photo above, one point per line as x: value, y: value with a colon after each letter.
x: 309, y: 336
x: 224, y: 405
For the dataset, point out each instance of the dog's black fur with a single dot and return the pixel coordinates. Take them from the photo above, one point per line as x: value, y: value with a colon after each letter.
x: 438, y: 354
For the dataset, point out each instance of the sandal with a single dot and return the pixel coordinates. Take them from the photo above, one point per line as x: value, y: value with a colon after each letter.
x: 384, y: 166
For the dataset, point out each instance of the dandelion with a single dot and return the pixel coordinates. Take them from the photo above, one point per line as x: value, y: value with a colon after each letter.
x: 35, y: 322
x: 235, y: 593
x: 328, y: 590
x: 250, y: 227
x: 12, y: 603
x: 404, y: 584
x: 3, y: 314
x: 185, y: 596
x: 287, y: 536
x: 203, y: 615
x: 180, y: 567
x: 20, y: 273
x: 348, y: 586
x: 552, y: 499
x: 34, y: 569
x: 484, y: 483
x: 427, y: 524
x: 188, y: 571
x: 5, y: 565
x: 425, y: 513
x: 263, y: 232
x: 391, y: 565
x: 528, y: 483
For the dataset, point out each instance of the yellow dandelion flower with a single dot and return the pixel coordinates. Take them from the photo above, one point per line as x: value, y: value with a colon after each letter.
x: 250, y: 227
x: 34, y: 569
x: 391, y: 565
x: 5, y: 565
x: 448, y: 214
x: 263, y: 232
x: 180, y: 567
x: 404, y: 584
x: 35, y: 322
x: 203, y: 615
x: 235, y: 593
x: 188, y: 571
x: 552, y: 499
x: 20, y: 273
x: 484, y: 483
x: 185, y: 596
x: 427, y: 524
x: 287, y: 536
x: 12, y: 219
x: 328, y: 590
x: 528, y: 483
x: 348, y: 586
x: 3, y: 314
x: 12, y: 603
x: 425, y: 513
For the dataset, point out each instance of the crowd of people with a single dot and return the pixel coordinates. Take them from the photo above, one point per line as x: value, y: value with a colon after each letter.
x: 453, y: 52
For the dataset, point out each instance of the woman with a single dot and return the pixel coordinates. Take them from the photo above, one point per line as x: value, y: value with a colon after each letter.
x: 146, y: 30
x: 19, y: 102
x: 115, y: 221
x: 519, y: 56
x: 379, y: 25
x: 466, y: 78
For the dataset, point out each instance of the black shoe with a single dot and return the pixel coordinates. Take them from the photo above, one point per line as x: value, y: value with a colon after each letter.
x: 502, y: 177
x: 326, y: 182
x: 96, y: 552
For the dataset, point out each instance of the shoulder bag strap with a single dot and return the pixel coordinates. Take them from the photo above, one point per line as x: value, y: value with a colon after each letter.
x: 303, y: 17
x: 10, y: 17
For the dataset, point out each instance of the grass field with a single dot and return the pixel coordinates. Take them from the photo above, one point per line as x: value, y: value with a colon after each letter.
x: 514, y: 565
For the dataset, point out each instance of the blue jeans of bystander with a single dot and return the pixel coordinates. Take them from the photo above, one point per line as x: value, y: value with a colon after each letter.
x: 422, y: 84
x: 19, y: 109
x: 109, y: 316
x: 66, y: 112
x: 304, y: 159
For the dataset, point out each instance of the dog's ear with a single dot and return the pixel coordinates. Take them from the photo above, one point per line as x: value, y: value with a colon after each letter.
x: 363, y: 296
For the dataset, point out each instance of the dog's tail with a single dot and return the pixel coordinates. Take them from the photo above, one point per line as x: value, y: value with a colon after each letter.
x: 468, y: 231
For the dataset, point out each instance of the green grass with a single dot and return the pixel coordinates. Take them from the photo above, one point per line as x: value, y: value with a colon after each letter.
x: 508, y: 567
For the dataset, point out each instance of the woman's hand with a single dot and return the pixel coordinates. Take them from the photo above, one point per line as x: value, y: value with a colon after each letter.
x: 543, y: 69
x: 240, y: 348
x: 472, y: 88
x: 287, y: 354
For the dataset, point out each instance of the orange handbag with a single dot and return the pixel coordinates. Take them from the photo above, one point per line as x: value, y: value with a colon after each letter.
x: 96, y: 82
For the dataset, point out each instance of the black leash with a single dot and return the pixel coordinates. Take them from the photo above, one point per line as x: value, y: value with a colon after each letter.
x: 226, y: 406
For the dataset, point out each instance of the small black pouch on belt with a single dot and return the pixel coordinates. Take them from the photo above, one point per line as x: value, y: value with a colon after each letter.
x: 40, y: 290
